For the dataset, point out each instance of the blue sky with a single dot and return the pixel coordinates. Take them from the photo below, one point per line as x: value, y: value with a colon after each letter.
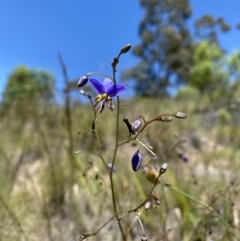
x: 87, y: 33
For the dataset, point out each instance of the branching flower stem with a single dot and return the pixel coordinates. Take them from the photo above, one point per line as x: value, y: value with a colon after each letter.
x: 140, y: 207
x: 160, y: 118
x: 117, y: 214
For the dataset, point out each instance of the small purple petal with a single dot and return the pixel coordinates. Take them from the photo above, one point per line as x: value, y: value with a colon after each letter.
x: 136, y: 124
x: 116, y: 89
x: 185, y: 159
x: 136, y: 161
x: 111, y: 167
x: 98, y: 86
x: 108, y: 84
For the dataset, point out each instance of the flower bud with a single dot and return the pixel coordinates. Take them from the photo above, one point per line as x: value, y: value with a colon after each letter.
x: 180, y: 115
x: 168, y: 118
x: 136, y: 160
x: 147, y: 205
x: 156, y: 200
x: 85, y: 93
x: 163, y: 168
x: 164, y: 118
x: 82, y: 81
x: 144, y: 238
x: 125, y: 48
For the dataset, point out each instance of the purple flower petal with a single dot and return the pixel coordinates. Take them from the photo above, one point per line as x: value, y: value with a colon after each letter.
x: 108, y: 84
x: 107, y: 87
x: 185, y: 159
x: 136, y: 161
x: 111, y: 167
x: 116, y: 89
x: 112, y: 89
x: 136, y: 125
x: 98, y: 86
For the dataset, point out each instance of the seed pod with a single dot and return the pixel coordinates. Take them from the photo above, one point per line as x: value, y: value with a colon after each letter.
x: 151, y: 174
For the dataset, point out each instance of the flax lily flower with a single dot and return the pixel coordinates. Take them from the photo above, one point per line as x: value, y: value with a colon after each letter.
x: 106, y: 91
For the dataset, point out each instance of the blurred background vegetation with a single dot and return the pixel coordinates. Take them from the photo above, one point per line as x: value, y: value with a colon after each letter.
x: 53, y: 185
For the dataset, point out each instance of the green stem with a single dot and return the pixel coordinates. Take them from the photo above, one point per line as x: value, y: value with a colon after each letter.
x: 113, y: 162
x: 95, y: 132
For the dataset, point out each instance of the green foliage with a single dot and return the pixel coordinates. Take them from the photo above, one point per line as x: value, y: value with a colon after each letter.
x: 43, y: 191
x: 26, y: 89
x: 56, y: 183
x: 165, y: 51
x: 206, y: 74
x: 208, y: 28
x: 215, y: 74
x: 188, y: 92
x: 171, y: 54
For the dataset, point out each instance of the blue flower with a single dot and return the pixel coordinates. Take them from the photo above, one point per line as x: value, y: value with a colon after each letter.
x: 184, y: 158
x: 106, y: 91
x: 111, y: 167
x: 136, y: 160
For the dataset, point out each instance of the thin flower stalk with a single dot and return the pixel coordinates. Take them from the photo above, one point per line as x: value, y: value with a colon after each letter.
x: 115, y: 154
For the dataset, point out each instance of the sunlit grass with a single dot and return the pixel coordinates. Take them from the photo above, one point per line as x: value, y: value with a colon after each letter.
x: 39, y: 202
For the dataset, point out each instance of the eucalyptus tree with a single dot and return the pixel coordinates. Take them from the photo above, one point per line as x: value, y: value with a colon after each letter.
x: 165, y: 50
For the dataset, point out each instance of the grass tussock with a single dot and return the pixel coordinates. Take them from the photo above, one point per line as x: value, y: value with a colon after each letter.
x: 54, y: 186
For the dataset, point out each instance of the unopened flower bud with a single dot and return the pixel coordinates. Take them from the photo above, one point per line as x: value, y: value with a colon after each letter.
x: 136, y: 160
x: 165, y: 118
x: 156, y: 200
x: 147, y: 205
x: 180, y: 115
x: 82, y: 81
x: 125, y: 48
x: 168, y: 118
x: 144, y: 238
x: 85, y: 93
x: 163, y: 168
